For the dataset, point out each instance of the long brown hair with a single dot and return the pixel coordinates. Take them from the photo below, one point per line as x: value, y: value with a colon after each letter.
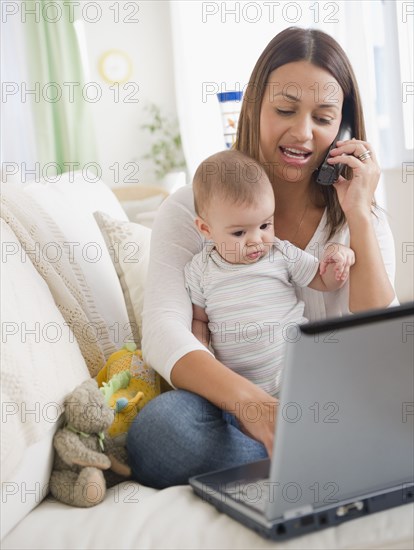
x: 320, y: 49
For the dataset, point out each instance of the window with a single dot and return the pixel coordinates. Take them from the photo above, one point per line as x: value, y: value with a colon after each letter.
x: 405, y: 16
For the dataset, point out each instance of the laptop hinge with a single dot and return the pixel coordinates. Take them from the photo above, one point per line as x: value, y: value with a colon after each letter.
x: 296, y: 512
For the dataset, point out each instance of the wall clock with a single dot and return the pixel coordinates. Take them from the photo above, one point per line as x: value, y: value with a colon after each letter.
x: 115, y: 66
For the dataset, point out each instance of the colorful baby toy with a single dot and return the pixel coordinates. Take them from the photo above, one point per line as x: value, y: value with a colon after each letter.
x: 127, y: 384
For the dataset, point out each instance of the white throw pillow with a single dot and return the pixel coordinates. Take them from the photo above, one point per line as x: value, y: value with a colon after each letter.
x: 128, y: 245
x: 40, y: 364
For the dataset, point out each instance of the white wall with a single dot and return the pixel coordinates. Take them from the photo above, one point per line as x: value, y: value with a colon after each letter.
x: 117, y: 125
x: 399, y: 192
x: 148, y: 43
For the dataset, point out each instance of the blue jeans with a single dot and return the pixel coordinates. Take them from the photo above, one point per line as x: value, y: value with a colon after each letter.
x: 180, y: 434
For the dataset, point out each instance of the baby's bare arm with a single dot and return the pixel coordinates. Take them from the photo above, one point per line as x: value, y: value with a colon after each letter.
x: 200, y: 325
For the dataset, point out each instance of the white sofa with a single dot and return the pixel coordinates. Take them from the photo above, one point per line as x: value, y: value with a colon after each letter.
x: 42, y: 362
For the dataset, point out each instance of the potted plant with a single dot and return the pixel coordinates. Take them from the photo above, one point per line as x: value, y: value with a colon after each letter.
x: 166, y: 151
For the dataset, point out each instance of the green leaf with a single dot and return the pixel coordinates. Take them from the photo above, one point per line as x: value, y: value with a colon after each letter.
x: 166, y: 148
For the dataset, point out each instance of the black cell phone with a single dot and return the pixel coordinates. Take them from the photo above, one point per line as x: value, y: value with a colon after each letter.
x: 327, y: 174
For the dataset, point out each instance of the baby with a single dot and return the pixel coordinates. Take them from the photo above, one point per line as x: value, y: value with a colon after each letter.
x: 242, y: 283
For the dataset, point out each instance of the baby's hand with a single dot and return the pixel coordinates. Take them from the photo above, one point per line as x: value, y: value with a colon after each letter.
x: 340, y: 255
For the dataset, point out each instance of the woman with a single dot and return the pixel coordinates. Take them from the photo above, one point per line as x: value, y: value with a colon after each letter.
x: 300, y: 91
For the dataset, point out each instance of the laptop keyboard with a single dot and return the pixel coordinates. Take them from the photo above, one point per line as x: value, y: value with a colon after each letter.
x: 254, y: 493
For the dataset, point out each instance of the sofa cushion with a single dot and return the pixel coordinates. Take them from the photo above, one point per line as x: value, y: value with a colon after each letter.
x: 71, y: 201
x: 28, y: 485
x: 129, y: 245
x: 133, y: 516
x: 146, y: 218
x: 40, y: 363
x: 133, y: 208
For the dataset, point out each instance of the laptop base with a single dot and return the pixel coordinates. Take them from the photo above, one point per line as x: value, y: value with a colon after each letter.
x: 210, y: 488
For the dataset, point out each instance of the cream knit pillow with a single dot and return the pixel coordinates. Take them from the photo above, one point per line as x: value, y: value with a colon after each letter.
x: 128, y: 244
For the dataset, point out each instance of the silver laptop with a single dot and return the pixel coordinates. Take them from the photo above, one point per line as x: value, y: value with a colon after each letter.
x: 344, y: 444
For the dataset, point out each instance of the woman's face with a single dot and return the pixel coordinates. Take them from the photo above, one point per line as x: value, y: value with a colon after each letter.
x: 299, y: 119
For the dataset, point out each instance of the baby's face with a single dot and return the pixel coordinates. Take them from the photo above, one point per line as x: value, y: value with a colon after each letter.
x: 242, y: 233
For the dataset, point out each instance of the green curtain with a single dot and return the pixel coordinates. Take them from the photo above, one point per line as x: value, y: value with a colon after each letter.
x: 63, y: 127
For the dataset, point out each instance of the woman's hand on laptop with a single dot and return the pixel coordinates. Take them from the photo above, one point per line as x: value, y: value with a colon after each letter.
x: 257, y: 418
x: 255, y: 410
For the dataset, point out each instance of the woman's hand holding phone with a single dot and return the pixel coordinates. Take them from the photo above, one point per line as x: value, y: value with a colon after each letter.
x: 355, y: 195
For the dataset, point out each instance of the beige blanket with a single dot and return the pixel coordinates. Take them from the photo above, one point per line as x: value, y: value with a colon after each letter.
x: 34, y: 228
